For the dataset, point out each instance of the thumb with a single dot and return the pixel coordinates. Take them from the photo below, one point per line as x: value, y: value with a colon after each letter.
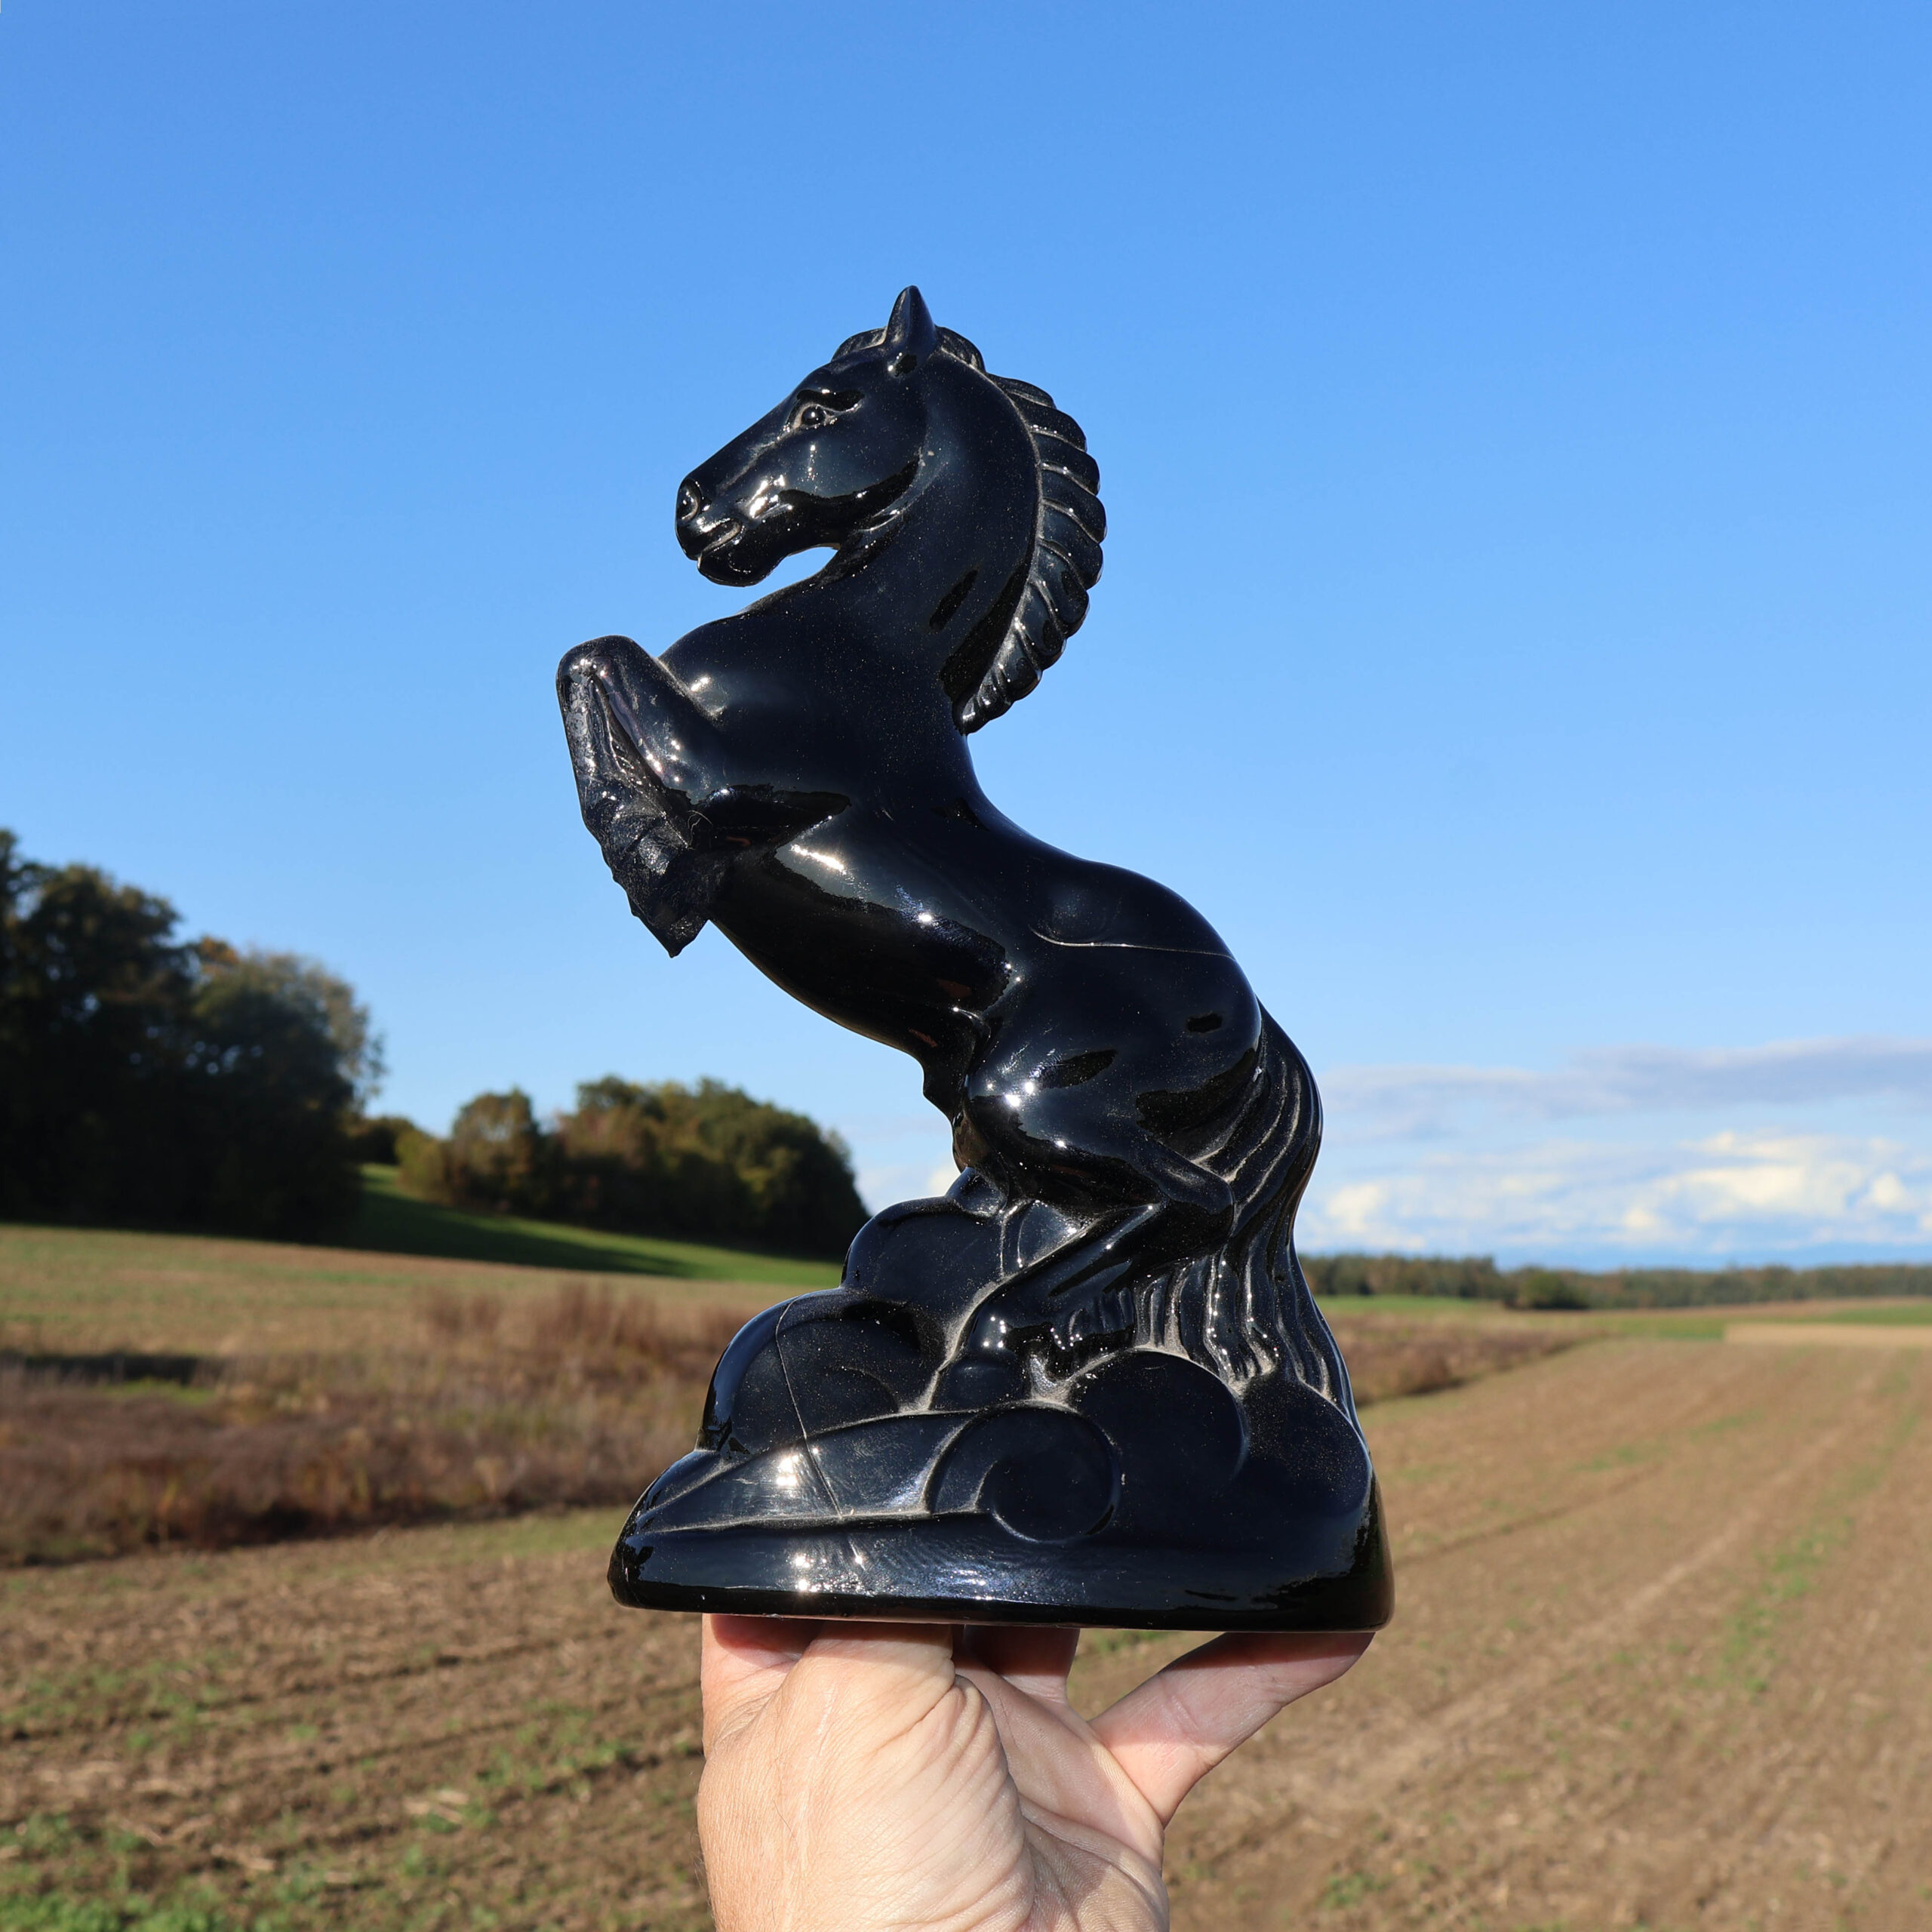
x: 742, y: 1663
x: 872, y: 1679
x: 870, y: 1672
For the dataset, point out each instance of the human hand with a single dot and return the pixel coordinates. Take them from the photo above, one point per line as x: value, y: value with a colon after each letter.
x: 909, y: 1777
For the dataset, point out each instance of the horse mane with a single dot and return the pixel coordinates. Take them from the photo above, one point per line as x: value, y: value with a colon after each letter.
x: 1001, y: 662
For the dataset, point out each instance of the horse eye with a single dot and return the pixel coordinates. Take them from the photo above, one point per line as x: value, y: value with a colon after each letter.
x: 813, y: 416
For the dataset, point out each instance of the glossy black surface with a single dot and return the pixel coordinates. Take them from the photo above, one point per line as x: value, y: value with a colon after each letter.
x: 1089, y: 1384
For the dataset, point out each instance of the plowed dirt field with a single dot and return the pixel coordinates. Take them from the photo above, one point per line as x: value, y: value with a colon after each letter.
x: 1662, y: 1657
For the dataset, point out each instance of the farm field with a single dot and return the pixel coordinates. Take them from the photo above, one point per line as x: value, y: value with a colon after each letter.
x: 1662, y: 1657
x: 1891, y: 1314
x: 73, y: 1290
x: 1834, y: 1334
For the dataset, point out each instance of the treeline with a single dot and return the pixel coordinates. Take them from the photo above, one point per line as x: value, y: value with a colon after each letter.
x: 704, y: 1164
x: 1477, y: 1277
x: 149, y: 1081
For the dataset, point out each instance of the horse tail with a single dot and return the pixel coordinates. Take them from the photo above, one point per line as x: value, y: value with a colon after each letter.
x: 1245, y: 1310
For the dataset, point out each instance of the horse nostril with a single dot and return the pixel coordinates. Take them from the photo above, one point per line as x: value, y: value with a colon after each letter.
x: 690, y: 500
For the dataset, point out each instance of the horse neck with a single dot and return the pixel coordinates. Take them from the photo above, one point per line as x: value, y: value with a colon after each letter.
x: 960, y: 516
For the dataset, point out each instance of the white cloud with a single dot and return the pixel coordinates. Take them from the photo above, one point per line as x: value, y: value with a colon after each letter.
x: 905, y: 1180
x: 899, y: 1157
x: 1727, y: 1192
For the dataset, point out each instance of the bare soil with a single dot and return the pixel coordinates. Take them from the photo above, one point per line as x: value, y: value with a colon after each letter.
x: 1662, y: 1657
x: 1848, y: 1334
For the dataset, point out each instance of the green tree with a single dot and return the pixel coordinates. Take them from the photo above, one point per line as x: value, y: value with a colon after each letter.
x: 709, y: 1162
x: 498, y: 1158
x: 327, y: 1004
x: 148, y: 1081
x: 273, y: 1081
x: 94, y: 994
x: 706, y: 1164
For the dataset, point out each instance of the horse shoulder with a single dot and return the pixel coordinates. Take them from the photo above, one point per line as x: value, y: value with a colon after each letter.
x: 713, y: 658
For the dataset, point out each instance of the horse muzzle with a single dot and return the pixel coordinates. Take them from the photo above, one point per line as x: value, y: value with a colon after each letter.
x: 714, y: 538
x: 731, y: 553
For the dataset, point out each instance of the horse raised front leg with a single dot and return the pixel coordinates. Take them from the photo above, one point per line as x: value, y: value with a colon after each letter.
x: 635, y: 738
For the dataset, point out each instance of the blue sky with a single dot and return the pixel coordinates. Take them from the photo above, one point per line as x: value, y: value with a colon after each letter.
x: 1513, y: 422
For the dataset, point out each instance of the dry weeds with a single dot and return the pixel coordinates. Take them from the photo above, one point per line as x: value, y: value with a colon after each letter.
x: 579, y: 1398
x: 1388, y: 1356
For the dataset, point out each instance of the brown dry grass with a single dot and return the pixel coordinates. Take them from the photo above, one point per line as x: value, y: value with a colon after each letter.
x: 1662, y: 1657
x: 1390, y: 1356
x: 487, y: 1408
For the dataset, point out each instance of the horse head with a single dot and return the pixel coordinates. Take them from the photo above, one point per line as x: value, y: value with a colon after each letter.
x: 901, y: 417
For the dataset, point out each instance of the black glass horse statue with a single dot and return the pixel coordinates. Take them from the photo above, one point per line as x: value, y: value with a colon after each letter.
x: 1089, y: 1385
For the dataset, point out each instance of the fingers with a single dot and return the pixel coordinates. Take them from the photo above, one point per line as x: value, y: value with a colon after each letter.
x: 1171, y: 1732
x: 1032, y: 1659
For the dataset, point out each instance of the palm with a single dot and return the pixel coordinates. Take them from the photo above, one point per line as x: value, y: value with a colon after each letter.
x: 866, y: 1776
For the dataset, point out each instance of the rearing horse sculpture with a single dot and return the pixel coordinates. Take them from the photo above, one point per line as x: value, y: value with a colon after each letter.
x: 1090, y: 1384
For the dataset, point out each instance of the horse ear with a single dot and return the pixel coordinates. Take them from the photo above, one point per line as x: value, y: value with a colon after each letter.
x: 911, y: 332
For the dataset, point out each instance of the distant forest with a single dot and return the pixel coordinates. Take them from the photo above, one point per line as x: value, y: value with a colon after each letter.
x: 706, y: 1163
x: 1477, y: 1277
